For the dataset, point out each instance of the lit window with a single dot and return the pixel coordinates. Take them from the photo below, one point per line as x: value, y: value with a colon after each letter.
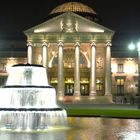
x: 120, y: 86
x: 99, y: 84
x: 120, y: 68
x: 120, y: 81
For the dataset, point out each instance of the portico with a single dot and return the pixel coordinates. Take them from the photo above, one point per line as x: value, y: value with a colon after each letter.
x: 75, y: 52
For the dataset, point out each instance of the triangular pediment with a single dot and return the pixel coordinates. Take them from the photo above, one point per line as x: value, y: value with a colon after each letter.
x: 70, y: 23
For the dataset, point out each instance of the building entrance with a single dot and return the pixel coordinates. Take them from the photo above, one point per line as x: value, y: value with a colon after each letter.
x: 84, y: 89
x: 69, y: 89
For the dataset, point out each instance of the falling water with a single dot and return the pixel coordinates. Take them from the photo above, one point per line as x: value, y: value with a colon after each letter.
x: 27, y: 101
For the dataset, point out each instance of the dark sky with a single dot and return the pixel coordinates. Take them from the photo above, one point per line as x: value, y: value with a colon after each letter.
x: 122, y: 16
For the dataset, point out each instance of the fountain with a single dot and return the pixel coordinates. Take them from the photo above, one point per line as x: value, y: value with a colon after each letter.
x: 28, y: 102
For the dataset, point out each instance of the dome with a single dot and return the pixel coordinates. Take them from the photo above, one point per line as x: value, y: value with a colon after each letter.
x: 73, y: 7
x: 76, y: 7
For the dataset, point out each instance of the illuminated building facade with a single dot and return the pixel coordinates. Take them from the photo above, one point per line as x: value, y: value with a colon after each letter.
x: 124, y: 77
x: 76, y: 51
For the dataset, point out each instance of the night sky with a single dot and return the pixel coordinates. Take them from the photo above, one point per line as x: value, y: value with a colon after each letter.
x: 121, y: 16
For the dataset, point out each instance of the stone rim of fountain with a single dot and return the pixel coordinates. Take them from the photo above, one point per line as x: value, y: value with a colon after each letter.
x: 28, y: 86
x: 27, y: 64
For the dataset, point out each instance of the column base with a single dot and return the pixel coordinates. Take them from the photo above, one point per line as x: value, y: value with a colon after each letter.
x: 60, y: 93
x: 60, y: 98
x: 108, y: 94
x: 77, y: 98
x: 93, y: 93
x: 77, y: 93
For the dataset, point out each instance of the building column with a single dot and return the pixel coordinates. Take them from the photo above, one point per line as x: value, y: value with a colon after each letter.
x: 60, y: 88
x: 44, y: 54
x: 77, y: 70
x: 108, y: 70
x: 93, y: 70
x: 29, y: 53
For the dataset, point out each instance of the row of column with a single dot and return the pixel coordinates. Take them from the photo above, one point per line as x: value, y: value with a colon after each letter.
x: 60, y: 85
x: 44, y: 53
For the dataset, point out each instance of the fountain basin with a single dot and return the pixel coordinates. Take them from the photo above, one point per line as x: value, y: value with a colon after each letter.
x: 31, y: 119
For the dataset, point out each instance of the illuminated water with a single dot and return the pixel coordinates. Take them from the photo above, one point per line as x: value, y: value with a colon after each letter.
x: 84, y: 129
x: 27, y: 102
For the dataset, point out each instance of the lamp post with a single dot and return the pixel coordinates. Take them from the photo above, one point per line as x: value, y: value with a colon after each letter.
x: 132, y: 46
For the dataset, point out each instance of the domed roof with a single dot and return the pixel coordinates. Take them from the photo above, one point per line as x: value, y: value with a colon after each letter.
x: 73, y: 7
x: 77, y: 8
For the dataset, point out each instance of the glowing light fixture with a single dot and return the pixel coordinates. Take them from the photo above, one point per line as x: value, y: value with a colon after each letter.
x: 131, y: 46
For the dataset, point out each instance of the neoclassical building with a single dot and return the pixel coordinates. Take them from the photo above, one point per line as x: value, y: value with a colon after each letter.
x: 75, y: 48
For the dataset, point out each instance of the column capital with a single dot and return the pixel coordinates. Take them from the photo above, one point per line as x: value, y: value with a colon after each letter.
x: 93, y: 44
x: 60, y: 44
x: 44, y: 44
x: 77, y: 44
x: 29, y: 44
x: 109, y: 44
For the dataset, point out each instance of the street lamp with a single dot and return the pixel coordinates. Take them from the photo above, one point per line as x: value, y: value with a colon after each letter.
x: 132, y: 46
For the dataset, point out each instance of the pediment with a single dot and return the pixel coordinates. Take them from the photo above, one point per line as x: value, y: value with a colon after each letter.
x: 69, y: 23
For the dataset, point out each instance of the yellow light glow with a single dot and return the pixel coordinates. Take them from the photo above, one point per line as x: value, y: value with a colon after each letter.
x: 53, y: 52
x: 77, y: 98
x: 60, y: 98
x: 131, y: 86
x: 69, y: 81
x: 96, y: 30
x: 44, y: 29
x: 129, y: 68
x: 85, y: 52
x: 39, y: 30
x: 39, y: 59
